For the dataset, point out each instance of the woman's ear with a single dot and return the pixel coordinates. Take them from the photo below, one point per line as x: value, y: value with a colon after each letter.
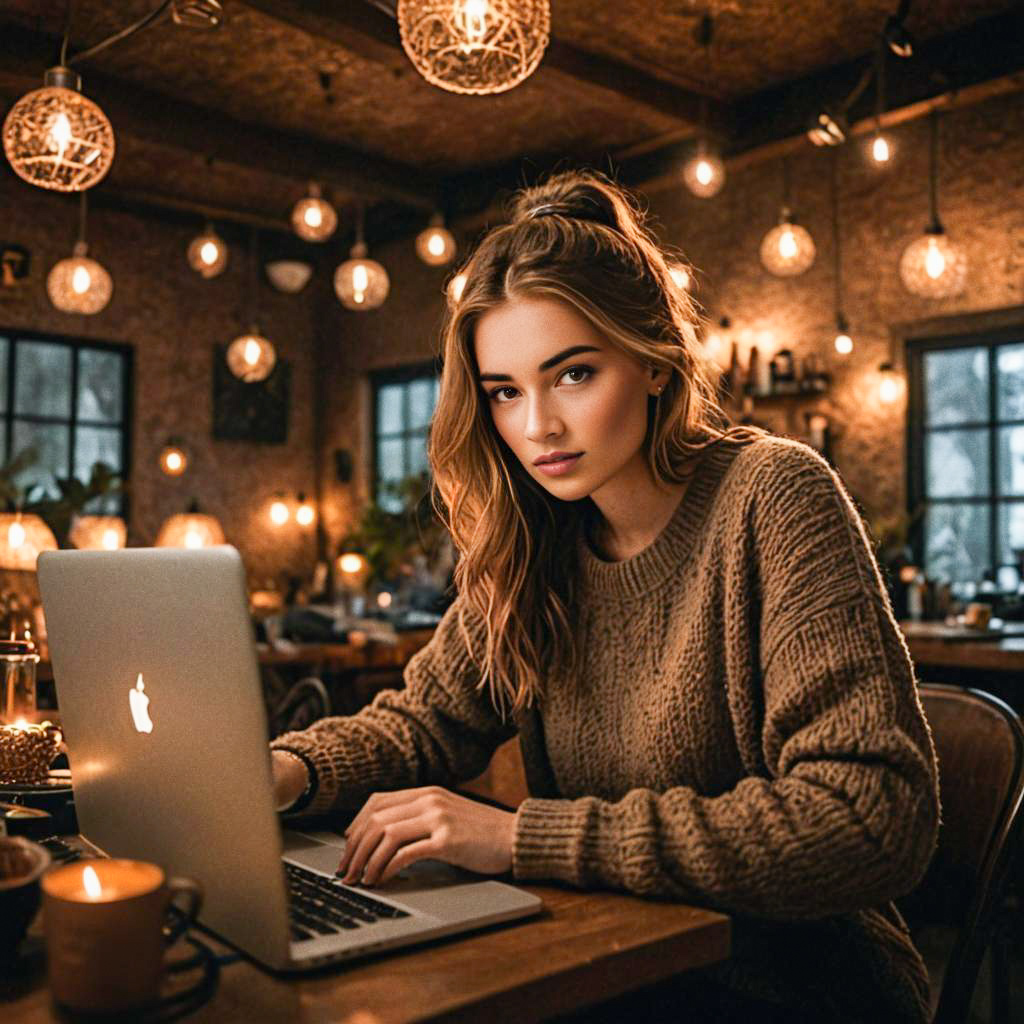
x: 658, y: 380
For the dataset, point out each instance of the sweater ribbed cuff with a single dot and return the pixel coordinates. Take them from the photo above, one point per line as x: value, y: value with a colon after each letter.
x: 556, y: 840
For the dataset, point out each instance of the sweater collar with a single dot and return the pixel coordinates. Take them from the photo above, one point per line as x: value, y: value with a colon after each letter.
x: 635, y: 577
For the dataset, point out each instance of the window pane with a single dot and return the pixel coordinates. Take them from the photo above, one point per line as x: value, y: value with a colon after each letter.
x: 5, y: 352
x: 416, y: 458
x: 52, y: 443
x: 956, y: 386
x: 421, y: 403
x: 3, y: 441
x: 1010, y: 382
x: 96, y: 444
x: 1011, y: 460
x: 99, y: 386
x: 956, y: 542
x: 957, y: 463
x: 389, y: 409
x: 43, y: 379
x: 1011, y: 532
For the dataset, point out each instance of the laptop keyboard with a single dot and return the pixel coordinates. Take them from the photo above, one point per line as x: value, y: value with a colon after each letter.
x: 319, y: 906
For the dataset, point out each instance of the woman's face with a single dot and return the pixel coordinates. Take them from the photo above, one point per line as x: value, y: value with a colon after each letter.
x: 556, y: 387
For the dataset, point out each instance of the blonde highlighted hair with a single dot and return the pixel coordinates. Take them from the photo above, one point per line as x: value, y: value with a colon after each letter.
x: 581, y: 239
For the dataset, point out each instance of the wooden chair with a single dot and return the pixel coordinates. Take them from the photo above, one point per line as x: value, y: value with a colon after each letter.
x: 979, y: 741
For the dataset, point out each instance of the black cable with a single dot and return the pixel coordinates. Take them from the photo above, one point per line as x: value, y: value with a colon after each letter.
x: 67, y: 35
x: 837, y: 255
x: 933, y: 171
x: 129, y: 30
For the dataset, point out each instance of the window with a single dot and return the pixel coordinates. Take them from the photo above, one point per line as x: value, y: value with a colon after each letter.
x: 403, y: 403
x: 70, y: 401
x: 966, y: 465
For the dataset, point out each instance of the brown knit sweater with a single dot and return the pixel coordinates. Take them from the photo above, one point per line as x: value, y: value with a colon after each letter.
x: 744, y: 733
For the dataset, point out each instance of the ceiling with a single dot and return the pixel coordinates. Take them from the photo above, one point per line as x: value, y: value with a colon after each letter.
x: 240, y: 118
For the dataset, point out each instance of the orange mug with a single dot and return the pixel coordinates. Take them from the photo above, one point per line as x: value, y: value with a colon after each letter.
x: 107, y: 929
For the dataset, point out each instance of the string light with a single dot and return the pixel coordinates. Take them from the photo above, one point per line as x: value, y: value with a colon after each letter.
x: 435, y: 245
x: 313, y: 218
x: 478, y: 47
x: 279, y: 513
x: 207, y: 253
x: 251, y: 357
x: 361, y: 283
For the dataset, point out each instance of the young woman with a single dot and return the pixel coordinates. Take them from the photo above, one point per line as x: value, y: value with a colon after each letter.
x: 684, y: 624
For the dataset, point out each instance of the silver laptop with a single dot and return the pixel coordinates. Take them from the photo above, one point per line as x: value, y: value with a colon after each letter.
x: 159, y: 692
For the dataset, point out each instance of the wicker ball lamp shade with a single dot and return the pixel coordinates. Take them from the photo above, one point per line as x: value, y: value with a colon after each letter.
x: 476, y: 47
x: 190, y: 530
x: 361, y: 283
x: 788, y: 249
x: 207, y: 254
x: 313, y: 218
x: 251, y: 357
x: 79, y: 284
x: 98, y: 533
x: 56, y: 138
x: 22, y: 539
x: 933, y: 266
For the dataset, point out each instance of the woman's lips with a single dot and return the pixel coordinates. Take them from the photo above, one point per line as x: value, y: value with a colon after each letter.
x: 561, y: 467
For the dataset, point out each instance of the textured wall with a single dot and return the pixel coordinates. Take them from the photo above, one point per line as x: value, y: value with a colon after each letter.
x: 881, y: 211
x: 172, y: 318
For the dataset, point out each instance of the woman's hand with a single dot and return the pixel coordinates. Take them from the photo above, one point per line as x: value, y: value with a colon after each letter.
x: 290, y: 778
x: 394, y: 830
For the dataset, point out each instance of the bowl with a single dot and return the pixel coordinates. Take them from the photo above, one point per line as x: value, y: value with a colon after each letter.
x: 22, y: 864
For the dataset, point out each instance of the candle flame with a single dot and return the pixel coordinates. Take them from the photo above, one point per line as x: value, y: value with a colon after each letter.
x: 91, y: 881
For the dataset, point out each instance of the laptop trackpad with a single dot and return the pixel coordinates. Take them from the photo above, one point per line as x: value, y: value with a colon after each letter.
x: 321, y: 851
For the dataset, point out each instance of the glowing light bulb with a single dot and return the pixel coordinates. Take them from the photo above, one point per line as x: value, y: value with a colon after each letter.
x: 844, y: 344
x: 704, y: 172
x: 252, y: 351
x: 384, y: 599
x: 174, y: 461
x: 111, y: 540
x: 351, y: 563
x: 80, y: 280
x: 880, y: 149
x: 304, y: 515
x: 279, y: 513
x: 787, y: 244
x: 360, y: 279
x: 16, y: 535
x: 436, y: 245
x: 934, y: 261
x: 208, y: 253
x: 471, y: 19
x: 91, y: 882
x: 193, y: 538
x: 888, y: 390
x: 313, y: 216
x: 60, y: 134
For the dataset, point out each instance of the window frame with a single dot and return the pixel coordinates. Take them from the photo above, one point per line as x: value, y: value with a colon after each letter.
x: 14, y: 335
x: 968, y: 332
x: 381, y: 378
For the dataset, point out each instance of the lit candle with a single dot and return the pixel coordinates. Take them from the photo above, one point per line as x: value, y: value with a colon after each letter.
x: 104, y: 924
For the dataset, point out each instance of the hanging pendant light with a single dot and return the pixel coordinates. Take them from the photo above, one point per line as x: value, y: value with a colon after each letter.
x: 98, y: 533
x: 704, y: 172
x: 173, y: 458
x: 361, y: 283
x: 478, y: 47
x: 191, y: 529
x: 881, y: 151
x: 22, y: 539
x: 435, y: 244
x: 79, y: 284
x: 933, y: 266
x: 251, y: 357
x: 56, y: 138
x: 890, y: 384
x: 788, y: 249
x: 842, y: 343
x: 313, y: 218
x: 305, y: 513
x: 279, y: 511
x: 207, y: 253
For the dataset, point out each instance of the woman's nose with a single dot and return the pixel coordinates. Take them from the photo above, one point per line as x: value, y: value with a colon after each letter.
x: 541, y: 422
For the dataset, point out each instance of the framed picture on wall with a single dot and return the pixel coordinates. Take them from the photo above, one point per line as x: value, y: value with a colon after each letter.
x: 250, y: 412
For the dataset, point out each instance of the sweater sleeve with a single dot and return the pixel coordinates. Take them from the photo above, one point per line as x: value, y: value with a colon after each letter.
x: 439, y: 730
x: 843, y: 813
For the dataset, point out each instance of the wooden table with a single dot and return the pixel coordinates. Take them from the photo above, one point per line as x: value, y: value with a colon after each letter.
x: 584, y: 948
x: 930, y: 644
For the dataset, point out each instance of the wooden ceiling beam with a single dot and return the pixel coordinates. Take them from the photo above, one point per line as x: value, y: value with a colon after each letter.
x: 369, y: 29
x: 156, y: 118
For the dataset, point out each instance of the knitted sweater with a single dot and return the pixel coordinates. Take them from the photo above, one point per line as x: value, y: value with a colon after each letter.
x: 743, y: 732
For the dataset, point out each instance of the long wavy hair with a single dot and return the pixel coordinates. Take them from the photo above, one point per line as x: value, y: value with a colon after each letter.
x: 579, y: 238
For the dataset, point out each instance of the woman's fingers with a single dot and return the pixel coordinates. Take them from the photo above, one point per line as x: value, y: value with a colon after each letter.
x: 363, y: 838
x: 393, y: 841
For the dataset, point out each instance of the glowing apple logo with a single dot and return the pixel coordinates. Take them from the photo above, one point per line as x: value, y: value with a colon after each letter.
x: 140, y: 706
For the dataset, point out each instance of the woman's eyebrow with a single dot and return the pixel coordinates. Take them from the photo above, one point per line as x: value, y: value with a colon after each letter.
x: 574, y: 350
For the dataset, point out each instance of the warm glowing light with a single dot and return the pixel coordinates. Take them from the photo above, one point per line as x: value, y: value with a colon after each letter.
x: 98, y: 533
x: 251, y: 357
x: 80, y: 280
x: 934, y: 266
x: 435, y: 244
x: 91, y: 881
x: 384, y: 599
x: 787, y: 249
x: 16, y: 535
x: 208, y: 253
x: 313, y: 218
x: 360, y: 278
x: 351, y: 563
x: 111, y: 541
x: 361, y: 283
x: 79, y: 284
x: 456, y: 287
x: 173, y: 460
x: 844, y: 344
x: 252, y: 351
x: 704, y: 172
x: 190, y: 530
x: 890, y: 386
x: 934, y: 261
x: 279, y: 513
x: 880, y: 149
x: 787, y: 244
x: 474, y: 46
x: 193, y: 539
x: 305, y: 514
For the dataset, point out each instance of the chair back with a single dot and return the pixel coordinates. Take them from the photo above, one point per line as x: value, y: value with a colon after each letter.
x: 979, y: 742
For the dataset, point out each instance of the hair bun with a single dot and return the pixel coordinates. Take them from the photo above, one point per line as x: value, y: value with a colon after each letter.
x: 571, y: 194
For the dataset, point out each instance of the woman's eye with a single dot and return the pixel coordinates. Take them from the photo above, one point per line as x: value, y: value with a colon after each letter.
x: 497, y: 393
x: 578, y: 374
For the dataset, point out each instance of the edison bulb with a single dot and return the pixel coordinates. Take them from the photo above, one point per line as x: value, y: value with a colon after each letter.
x: 933, y: 266
x: 843, y: 343
x: 880, y: 150
x: 207, y: 254
x: 279, y: 513
x: 16, y: 535
x: 704, y: 173
x: 435, y: 245
x: 313, y: 218
x: 361, y: 283
x: 788, y: 249
x: 251, y: 357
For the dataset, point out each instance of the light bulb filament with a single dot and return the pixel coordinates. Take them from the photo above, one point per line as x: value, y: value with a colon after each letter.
x: 934, y: 261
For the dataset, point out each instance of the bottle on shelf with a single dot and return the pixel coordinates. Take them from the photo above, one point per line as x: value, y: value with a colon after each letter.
x: 750, y: 385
